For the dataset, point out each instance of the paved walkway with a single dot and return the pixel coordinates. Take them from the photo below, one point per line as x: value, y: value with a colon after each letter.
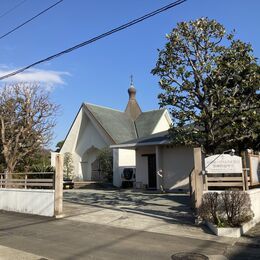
x: 168, y: 214
x: 7, y: 253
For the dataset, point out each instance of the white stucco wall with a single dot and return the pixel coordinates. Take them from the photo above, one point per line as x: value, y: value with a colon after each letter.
x: 39, y: 202
x: 87, y: 148
x: 53, y: 158
x: 122, y: 158
x: 83, y: 142
x: 177, y: 163
x: 163, y: 124
x: 254, y: 195
x: 69, y: 144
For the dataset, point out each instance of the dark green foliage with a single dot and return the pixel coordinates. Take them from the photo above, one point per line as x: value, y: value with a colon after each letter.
x: 68, y: 166
x: 59, y: 145
x: 39, y: 161
x: 43, y: 168
x: 106, y: 164
x: 209, y: 81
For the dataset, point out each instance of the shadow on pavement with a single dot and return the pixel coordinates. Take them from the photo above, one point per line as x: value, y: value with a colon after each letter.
x: 172, y: 208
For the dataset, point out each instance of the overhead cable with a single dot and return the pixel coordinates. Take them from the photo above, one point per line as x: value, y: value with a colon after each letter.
x: 12, y: 9
x: 31, y: 19
x: 103, y: 35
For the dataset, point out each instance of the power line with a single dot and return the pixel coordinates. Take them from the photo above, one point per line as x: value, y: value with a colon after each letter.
x: 31, y: 19
x: 103, y: 35
x: 12, y: 9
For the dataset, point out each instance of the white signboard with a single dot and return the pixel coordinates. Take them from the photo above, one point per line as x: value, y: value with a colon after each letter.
x: 255, y: 169
x: 223, y: 163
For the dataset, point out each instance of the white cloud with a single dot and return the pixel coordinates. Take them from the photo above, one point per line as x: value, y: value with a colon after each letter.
x: 48, y: 78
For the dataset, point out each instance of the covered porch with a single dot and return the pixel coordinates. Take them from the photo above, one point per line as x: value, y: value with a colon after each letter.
x: 159, y: 165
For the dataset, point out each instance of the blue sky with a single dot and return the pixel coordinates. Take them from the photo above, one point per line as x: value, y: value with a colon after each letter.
x: 100, y: 73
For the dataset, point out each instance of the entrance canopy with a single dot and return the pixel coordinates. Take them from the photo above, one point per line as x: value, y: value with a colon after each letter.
x: 160, y: 138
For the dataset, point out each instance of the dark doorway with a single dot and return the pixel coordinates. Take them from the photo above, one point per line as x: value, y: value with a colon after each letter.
x: 152, y: 172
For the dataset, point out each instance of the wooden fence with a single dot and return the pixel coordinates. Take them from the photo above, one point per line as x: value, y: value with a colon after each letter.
x: 249, y: 178
x: 223, y: 181
x: 32, y: 180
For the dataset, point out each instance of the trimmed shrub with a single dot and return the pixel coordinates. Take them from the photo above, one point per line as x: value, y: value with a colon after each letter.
x: 210, y: 208
x: 237, y: 207
x: 229, y: 208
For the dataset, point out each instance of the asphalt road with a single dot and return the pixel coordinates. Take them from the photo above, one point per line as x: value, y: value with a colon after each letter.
x: 247, y: 247
x: 67, y: 239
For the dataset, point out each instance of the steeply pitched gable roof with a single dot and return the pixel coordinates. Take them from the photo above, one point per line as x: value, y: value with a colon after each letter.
x: 119, y: 125
x: 116, y: 123
x: 147, y: 121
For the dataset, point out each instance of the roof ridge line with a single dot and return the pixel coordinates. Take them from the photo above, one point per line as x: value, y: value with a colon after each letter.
x: 136, y: 132
x: 91, y: 104
x: 160, y: 109
x: 99, y: 123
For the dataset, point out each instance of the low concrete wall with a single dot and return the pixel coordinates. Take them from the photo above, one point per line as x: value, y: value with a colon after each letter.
x: 39, y: 202
x: 255, y: 203
x: 231, y: 232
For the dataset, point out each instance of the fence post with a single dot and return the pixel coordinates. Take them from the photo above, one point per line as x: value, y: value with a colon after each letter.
x: 58, y: 193
x: 245, y: 176
x: 198, y: 177
x: 25, y: 181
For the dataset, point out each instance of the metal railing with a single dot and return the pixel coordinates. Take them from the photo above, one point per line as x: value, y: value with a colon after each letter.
x: 30, y: 180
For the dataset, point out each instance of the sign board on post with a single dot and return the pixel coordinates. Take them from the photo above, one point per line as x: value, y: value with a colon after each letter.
x: 223, y: 163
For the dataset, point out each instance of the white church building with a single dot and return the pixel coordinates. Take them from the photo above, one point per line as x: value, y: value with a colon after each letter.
x: 128, y: 133
x: 96, y: 127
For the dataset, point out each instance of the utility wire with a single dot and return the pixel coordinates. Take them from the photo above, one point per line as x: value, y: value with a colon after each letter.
x: 31, y: 19
x: 12, y: 9
x: 115, y: 30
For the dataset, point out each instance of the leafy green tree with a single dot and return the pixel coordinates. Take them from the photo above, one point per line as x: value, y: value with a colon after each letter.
x: 106, y: 163
x: 210, y: 82
x: 34, y: 162
x: 59, y: 145
x: 68, y: 166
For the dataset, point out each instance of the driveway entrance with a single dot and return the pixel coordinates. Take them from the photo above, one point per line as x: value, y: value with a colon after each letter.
x: 145, y: 211
x: 168, y: 207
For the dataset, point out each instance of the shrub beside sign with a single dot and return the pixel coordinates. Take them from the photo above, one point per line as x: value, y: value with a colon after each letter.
x: 224, y: 163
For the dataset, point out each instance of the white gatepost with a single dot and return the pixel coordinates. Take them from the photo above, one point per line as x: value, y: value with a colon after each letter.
x: 58, y: 195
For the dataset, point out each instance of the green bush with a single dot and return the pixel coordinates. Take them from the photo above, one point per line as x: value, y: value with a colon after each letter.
x: 106, y: 164
x: 68, y: 167
x: 41, y: 168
